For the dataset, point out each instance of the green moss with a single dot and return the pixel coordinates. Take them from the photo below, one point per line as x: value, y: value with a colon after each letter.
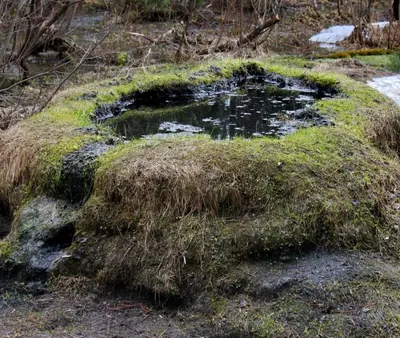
x: 122, y: 59
x: 6, y: 250
x: 69, y: 112
x: 359, y: 52
x: 219, y: 306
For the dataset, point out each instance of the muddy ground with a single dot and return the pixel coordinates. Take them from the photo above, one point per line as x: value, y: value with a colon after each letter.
x: 319, y: 294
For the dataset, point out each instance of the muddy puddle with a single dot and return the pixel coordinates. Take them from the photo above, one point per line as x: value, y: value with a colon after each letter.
x: 254, y: 109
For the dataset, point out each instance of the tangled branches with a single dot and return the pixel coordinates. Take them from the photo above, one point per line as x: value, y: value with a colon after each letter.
x: 30, y: 26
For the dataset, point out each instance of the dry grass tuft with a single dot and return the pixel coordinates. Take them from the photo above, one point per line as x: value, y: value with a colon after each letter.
x: 76, y: 287
x: 385, y: 131
x: 20, y: 147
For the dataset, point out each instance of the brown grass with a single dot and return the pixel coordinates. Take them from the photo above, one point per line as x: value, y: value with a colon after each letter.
x: 20, y: 147
x: 385, y: 131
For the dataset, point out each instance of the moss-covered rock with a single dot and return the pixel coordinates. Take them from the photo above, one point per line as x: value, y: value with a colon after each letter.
x: 42, y: 230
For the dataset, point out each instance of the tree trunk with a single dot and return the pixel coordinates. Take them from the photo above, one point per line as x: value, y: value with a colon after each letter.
x: 396, y: 9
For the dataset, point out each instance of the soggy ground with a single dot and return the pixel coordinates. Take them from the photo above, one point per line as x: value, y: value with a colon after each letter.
x: 319, y: 294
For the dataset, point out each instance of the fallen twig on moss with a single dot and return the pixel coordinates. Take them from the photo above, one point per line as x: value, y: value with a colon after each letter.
x: 122, y: 307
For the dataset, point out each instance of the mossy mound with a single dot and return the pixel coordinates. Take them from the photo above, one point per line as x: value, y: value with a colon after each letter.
x: 192, y: 208
x: 175, y: 216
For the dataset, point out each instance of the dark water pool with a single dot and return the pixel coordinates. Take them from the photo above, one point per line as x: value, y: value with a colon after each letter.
x: 253, y: 110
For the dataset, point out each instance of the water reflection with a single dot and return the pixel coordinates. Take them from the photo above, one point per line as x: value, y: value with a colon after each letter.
x: 251, y: 111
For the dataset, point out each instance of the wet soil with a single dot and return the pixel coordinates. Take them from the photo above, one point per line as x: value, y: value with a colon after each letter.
x: 77, y: 173
x: 59, y: 315
x: 319, y: 294
x: 5, y: 225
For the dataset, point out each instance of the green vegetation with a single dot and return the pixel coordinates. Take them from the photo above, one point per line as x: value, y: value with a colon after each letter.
x: 382, y: 59
x: 359, y: 52
x: 122, y: 59
x: 394, y: 62
x: 380, y: 62
x: 219, y: 306
x: 5, y: 250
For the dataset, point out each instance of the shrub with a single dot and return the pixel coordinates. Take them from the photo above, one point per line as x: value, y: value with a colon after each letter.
x: 394, y: 62
x: 155, y: 9
x: 122, y: 59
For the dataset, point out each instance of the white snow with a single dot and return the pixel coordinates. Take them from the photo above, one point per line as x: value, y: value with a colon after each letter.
x: 388, y: 85
x: 327, y: 38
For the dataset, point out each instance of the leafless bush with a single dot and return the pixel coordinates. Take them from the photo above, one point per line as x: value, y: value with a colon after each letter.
x: 360, y: 9
x: 30, y: 26
x: 265, y: 7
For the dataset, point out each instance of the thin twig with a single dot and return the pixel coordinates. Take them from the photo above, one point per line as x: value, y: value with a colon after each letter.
x: 84, y: 57
x: 59, y: 65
